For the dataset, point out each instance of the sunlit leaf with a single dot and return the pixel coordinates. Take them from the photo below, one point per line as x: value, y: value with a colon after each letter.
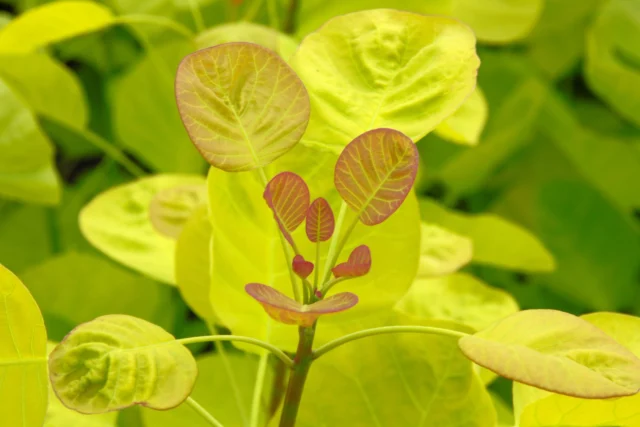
x: 51, y: 23
x: 302, y: 267
x: 459, y: 298
x: 384, y: 68
x: 375, y: 173
x: 538, y: 408
x: 117, y: 361
x: 495, y: 240
x: 290, y: 312
x: 466, y: 124
x: 559, y: 352
x: 503, y: 411
x: 23, y: 355
x: 442, y: 251
x: 358, y: 264
x: 288, y: 197
x: 171, y: 208
x: 118, y: 223
x: 241, y: 104
x: 320, y: 221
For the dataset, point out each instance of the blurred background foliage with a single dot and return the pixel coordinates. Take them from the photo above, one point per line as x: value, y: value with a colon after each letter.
x: 536, y: 179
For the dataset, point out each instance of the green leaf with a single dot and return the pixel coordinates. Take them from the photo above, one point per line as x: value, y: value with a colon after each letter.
x: 459, y: 298
x: 74, y: 288
x: 117, y: 361
x: 558, y: 352
x: 246, y: 249
x: 145, y: 114
x: 374, y: 69
x: 5, y: 18
x: 118, y: 223
x: 441, y: 251
x: 171, y: 208
x: 395, y: 380
x: 537, y: 408
x: 23, y: 355
x: 233, y: 125
x: 612, y: 66
x: 503, y: 410
x: 495, y: 240
x: 51, y: 23
x: 466, y: 124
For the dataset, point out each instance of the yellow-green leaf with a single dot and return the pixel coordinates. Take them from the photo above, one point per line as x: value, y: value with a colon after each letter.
x: 118, y: 361
x: 442, y: 251
x: 377, y: 68
x: 51, y: 23
x: 241, y: 104
x: 558, y: 352
x: 459, y: 298
x: 171, y: 208
x: 466, y: 124
x: 118, y: 223
x: 23, y: 355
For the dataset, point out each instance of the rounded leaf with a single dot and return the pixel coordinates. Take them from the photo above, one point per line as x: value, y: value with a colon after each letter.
x: 241, y: 104
x: 302, y: 267
x: 117, y: 361
x: 376, y: 172
x: 288, y: 197
x: 171, y: 208
x: 358, y: 264
x: 320, y: 221
x: 466, y: 124
x: 442, y: 251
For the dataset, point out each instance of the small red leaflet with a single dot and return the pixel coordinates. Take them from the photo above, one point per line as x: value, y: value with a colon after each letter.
x: 288, y: 197
x: 302, y: 267
x: 358, y: 264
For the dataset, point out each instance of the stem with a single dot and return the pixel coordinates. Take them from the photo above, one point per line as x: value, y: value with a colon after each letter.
x: 113, y: 152
x: 159, y: 21
x: 272, y: 10
x: 203, y: 412
x: 316, y: 272
x: 335, y: 249
x: 197, y: 16
x: 298, y: 376
x: 252, y: 11
x: 258, y: 389
x: 54, y: 235
x: 290, y: 23
x: 331, y: 283
x: 213, y: 338
x: 385, y: 330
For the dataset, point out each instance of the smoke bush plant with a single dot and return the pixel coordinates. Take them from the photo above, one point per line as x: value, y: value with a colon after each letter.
x: 246, y: 110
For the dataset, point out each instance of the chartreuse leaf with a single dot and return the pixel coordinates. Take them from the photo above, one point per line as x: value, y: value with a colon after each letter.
x: 246, y: 249
x: 171, y: 208
x: 396, y: 380
x: 441, y: 251
x: 559, y: 352
x: 320, y: 222
x: 466, y: 124
x: 5, y: 18
x: 117, y: 361
x: 612, y: 66
x: 503, y: 411
x: 23, y: 355
x: 241, y: 104
x: 280, y: 43
x: 376, y: 68
x: 193, y: 263
x: 495, y: 240
x: 288, y: 197
x: 285, y: 310
x: 118, y: 223
x: 376, y: 172
x: 538, y: 408
x: 459, y: 298
x: 358, y: 264
x: 51, y: 23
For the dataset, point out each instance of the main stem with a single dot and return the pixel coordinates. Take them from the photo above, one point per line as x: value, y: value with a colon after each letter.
x: 298, y: 376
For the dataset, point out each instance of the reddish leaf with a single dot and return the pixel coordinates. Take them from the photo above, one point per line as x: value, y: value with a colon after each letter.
x: 358, y: 264
x: 375, y: 173
x: 320, y: 221
x: 288, y: 197
x: 288, y: 311
x: 302, y: 267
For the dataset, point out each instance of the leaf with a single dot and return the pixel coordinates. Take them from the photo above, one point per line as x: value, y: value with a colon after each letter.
x: 375, y: 173
x: 375, y: 69
x: 442, y: 251
x: 540, y: 408
x: 491, y: 236
x: 559, y: 352
x: 287, y: 195
x: 320, y: 221
x: 612, y: 66
x: 233, y: 125
x: 171, y: 208
x: 395, y: 380
x: 118, y: 223
x: 23, y: 355
x: 466, y: 124
x: 283, y: 309
x: 52, y: 23
x: 358, y: 264
x: 73, y: 288
x: 117, y: 361
x: 302, y: 267
x: 459, y: 298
